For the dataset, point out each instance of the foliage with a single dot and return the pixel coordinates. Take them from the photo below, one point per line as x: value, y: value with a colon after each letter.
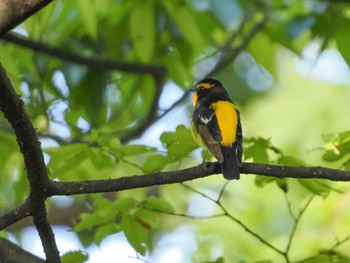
x: 90, y: 120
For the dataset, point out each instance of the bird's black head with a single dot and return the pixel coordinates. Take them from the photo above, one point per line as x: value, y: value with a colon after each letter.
x: 210, y: 89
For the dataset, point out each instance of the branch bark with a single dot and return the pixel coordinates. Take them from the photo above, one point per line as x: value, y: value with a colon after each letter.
x: 10, y: 252
x: 200, y: 171
x: 179, y: 176
x: 29, y: 145
x: 14, y: 12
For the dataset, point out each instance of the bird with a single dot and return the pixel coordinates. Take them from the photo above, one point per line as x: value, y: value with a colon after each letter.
x: 216, y: 125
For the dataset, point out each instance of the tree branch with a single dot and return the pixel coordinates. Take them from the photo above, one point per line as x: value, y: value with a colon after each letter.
x: 14, y: 12
x: 10, y: 252
x: 200, y: 171
x: 91, y: 62
x: 29, y: 145
x: 157, y: 71
x: 15, y: 215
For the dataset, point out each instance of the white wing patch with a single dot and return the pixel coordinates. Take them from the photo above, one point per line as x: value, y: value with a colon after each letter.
x: 204, y: 119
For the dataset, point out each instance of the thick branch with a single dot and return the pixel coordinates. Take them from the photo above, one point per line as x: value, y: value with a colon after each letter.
x: 160, y: 178
x: 29, y: 145
x: 14, y: 12
x: 125, y: 183
x: 10, y: 252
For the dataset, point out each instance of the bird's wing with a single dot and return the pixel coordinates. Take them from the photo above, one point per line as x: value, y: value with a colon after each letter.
x: 239, y: 140
x: 208, y: 129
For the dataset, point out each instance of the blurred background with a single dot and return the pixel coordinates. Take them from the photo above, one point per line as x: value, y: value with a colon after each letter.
x: 106, y: 85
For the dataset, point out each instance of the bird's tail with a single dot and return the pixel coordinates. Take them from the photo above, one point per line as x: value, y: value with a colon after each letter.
x: 230, y: 165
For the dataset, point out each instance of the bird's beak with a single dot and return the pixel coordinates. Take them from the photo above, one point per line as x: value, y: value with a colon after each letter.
x: 193, y: 89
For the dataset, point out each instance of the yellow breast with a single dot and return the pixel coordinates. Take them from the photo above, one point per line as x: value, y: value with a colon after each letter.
x: 226, y: 115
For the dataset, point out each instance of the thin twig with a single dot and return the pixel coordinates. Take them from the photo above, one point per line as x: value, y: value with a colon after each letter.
x: 15, y: 215
x: 295, y: 226
x: 236, y: 220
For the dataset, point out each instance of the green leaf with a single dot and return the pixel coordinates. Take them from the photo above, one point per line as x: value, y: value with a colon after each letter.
x: 267, y: 58
x: 181, y: 13
x: 74, y: 257
x: 343, y: 41
x: 154, y: 163
x: 106, y: 213
x: 130, y: 150
x: 218, y: 260
x: 318, y: 187
x: 158, y: 204
x: 257, y: 149
x: 178, y: 71
x: 88, y: 15
x: 142, y: 29
x: 337, y: 147
x: 64, y: 158
x: 328, y: 257
x: 136, y: 233
x: 179, y: 143
x: 101, y: 159
x: 147, y: 218
x: 104, y: 231
x: 289, y: 160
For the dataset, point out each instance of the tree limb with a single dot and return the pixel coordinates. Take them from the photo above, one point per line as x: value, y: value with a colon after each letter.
x: 15, y: 215
x: 29, y: 145
x: 200, y: 171
x: 160, y: 178
x: 91, y: 62
x: 10, y: 252
x: 158, y: 73
x: 14, y: 12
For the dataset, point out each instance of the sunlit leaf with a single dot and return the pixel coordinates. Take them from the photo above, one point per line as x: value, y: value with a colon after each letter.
x: 89, y: 17
x: 142, y: 29
x: 267, y: 58
x: 257, y: 149
x: 136, y: 233
x: 337, y: 146
x: 77, y: 256
x: 179, y: 143
x: 158, y: 204
x: 178, y: 10
x: 155, y: 163
x: 131, y: 149
x: 316, y: 186
x: 105, y: 214
x: 104, y: 231
x: 146, y: 218
x: 343, y: 42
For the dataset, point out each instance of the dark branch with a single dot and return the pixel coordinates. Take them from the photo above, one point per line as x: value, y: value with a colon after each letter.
x: 29, y: 145
x: 15, y: 215
x: 160, y: 178
x: 158, y: 72
x: 91, y: 62
x: 12, y: 13
x: 200, y: 171
x: 10, y: 252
